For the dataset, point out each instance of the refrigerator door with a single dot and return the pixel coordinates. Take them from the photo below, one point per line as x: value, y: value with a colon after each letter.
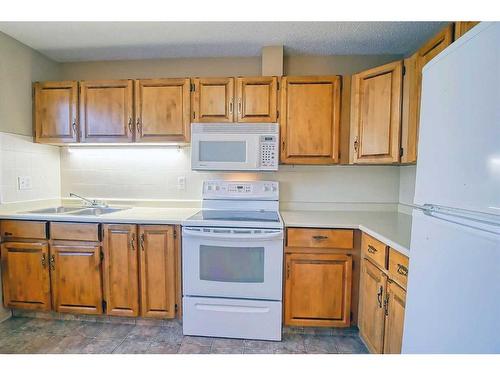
x: 453, y: 303
x: 459, y: 138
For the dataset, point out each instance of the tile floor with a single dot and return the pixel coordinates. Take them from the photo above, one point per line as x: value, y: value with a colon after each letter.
x: 30, y: 336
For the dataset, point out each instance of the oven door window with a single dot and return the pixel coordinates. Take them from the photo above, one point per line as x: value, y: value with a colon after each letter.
x: 223, y: 151
x: 232, y: 264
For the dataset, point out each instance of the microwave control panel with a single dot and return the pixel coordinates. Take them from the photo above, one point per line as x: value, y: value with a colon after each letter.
x: 268, y: 151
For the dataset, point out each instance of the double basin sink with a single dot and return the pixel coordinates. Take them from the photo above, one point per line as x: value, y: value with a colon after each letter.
x: 79, y: 211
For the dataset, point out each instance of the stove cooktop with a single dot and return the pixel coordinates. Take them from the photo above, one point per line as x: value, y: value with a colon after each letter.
x: 229, y: 215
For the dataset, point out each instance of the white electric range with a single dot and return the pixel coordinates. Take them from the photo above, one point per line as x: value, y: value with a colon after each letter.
x: 232, y: 261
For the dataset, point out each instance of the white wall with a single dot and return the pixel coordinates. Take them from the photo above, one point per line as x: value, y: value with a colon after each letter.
x: 407, y: 175
x: 152, y: 173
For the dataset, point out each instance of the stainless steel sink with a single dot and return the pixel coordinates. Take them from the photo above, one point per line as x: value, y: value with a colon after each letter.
x: 96, y: 211
x: 54, y: 210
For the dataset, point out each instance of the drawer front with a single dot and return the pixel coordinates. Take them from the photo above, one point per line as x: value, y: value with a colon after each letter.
x: 398, y: 267
x: 74, y: 231
x: 374, y: 249
x: 23, y: 229
x: 321, y: 238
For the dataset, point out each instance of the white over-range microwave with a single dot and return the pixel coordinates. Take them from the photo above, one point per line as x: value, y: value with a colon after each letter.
x: 235, y: 146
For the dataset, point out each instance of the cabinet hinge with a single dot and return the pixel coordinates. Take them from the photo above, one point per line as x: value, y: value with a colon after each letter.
x: 102, y: 232
x: 277, y: 114
x: 404, y: 70
x: 278, y: 86
x: 194, y: 115
x: 401, y: 151
x: 175, y: 233
x: 192, y: 87
x: 101, y: 255
x: 176, y: 307
x: 104, y: 306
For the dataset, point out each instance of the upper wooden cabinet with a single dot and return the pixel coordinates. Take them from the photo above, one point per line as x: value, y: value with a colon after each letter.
x: 256, y: 99
x: 106, y: 111
x: 435, y: 45
x: 56, y: 112
x: 213, y: 99
x: 162, y: 110
x: 376, y: 114
x: 310, y: 120
x: 461, y: 27
x: 25, y: 275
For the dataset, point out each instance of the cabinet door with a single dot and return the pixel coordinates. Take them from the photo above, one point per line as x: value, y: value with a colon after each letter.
x: 213, y: 99
x: 56, y: 112
x: 162, y: 110
x: 376, y: 114
x: 106, y: 111
x: 395, y: 302
x: 318, y: 289
x: 310, y: 120
x: 76, y: 277
x: 409, y: 115
x: 120, y: 270
x: 157, y: 260
x: 372, y: 314
x: 25, y: 275
x: 257, y: 99
x: 461, y: 27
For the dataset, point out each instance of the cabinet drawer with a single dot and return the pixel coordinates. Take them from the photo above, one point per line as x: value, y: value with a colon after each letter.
x: 398, y: 267
x: 374, y: 249
x: 23, y: 229
x: 74, y: 231
x: 323, y: 238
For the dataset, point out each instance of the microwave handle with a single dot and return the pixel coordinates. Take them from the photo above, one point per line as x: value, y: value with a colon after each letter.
x: 187, y: 232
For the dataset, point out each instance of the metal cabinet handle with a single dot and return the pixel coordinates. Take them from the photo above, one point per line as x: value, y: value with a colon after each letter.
x: 7, y: 234
x: 52, y: 262
x: 231, y: 106
x: 386, y: 305
x: 43, y: 261
x: 73, y: 124
x: 379, y: 296
x: 356, y: 144
x: 319, y: 238
x: 139, y: 126
x: 402, y: 270
x: 130, y: 125
x: 239, y: 105
x: 288, y: 271
x: 371, y: 249
x: 132, y: 241
x: 142, y: 241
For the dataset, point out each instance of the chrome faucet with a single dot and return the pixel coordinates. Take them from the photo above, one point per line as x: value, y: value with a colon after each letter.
x: 92, y: 203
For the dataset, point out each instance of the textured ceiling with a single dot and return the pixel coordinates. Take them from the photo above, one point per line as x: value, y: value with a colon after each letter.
x: 85, y: 41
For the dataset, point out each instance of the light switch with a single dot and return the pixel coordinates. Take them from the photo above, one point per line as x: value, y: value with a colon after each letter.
x: 24, y: 183
x: 181, y: 183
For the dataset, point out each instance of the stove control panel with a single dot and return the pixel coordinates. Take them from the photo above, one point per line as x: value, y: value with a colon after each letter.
x: 244, y: 190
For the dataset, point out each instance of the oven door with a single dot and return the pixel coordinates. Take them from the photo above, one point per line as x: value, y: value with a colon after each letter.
x: 235, y: 263
x: 225, y: 152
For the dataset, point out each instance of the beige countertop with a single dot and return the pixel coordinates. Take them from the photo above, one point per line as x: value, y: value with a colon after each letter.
x: 392, y: 228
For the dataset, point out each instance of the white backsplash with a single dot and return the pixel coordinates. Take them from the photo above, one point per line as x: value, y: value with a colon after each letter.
x: 153, y: 172
x: 19, y: 156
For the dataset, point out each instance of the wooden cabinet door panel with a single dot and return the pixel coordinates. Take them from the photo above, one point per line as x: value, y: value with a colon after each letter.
x: 371, y: 316
x: 162, y: 110
x: 376, y: 114
x: 213, y: 99
x: 318, y: 289
x: 257, y: 99
x: 25, y: 275
x: 394, y: 321
x: 157, y: 262
x: 106, y: 111
x: 76, y: 277
x: 461, y: 27
x: 56, y: 112
x: 120, y: 270
x: 310, y: 120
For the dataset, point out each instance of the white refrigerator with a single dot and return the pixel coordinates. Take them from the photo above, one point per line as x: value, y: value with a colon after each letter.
x: 453, y: 297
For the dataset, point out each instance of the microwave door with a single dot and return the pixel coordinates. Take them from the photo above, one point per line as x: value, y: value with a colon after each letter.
x: 225, y: 152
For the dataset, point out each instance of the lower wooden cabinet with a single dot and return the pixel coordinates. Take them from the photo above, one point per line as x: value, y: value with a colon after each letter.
x: 75, y: 274
x: 25, y: 275
x: 120, y: 269
x: 157, y: 270
x: 394, y: 305
x: 318, y: 289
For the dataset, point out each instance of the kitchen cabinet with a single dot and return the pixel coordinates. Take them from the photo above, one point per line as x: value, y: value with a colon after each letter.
x: 256, y: 99
x: 75, y: 273
x: 157, y: 271
x: 56, y: 112
x: 376, y: 114
x: 213, y: 99
x: 106, y: 111
x: 310, y: 119
x: 25, y: 275
x: 394, y: 307
x: 461, y: 27
x: 120, y: 269
x: 162, y: 110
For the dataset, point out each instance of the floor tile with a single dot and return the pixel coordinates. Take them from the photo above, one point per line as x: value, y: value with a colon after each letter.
x: 133, y: 346
x: 90, y: 329
x: 191, y: 348
x: 163, y: 348
x: 71, y: 345
x: 13, y: 324
x: 106, y: 346
x: 198, y: 340
x: 348, y: 344
x: 114, y: 331
x: 227, y: 346
x: 320, y: 344
x: 144, y: 332
x: 172, y: 335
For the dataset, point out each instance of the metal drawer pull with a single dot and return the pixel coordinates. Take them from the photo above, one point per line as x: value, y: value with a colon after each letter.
x: 142, y: 241
x: 132, y: 240
x: 52, y: 262
x: 386, y: 304
x: 319, y: 238
x: 402, y: 270
x: 379, y: 296
x: 43, y: 261
x: 371, y: 249
x: 130, y: 125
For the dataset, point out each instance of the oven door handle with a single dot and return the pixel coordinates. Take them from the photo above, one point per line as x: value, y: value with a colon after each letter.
x: 228, y: 236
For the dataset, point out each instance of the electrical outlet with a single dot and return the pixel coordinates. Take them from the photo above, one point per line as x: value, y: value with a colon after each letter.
x: 181, y: 183
x: 24, y: 183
